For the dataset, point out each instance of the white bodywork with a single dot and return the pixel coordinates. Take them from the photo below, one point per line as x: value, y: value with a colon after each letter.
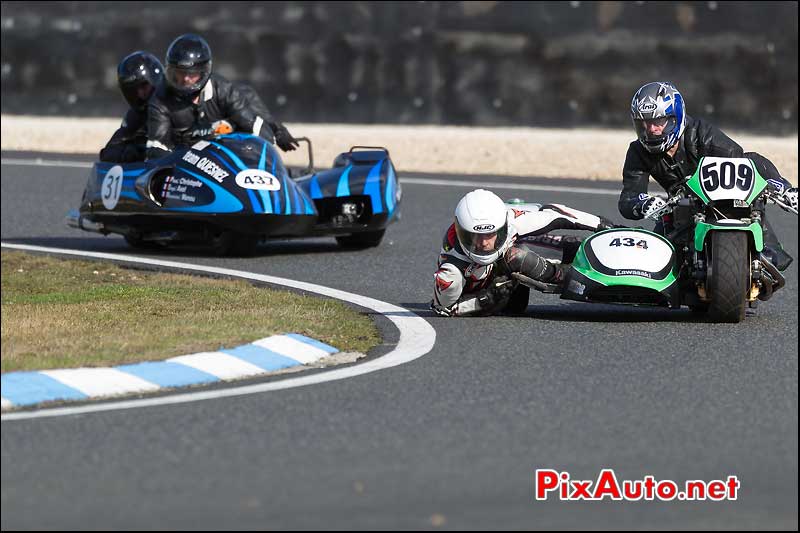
x: 625, y: 249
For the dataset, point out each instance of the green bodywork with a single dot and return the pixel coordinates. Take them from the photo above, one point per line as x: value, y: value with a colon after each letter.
x: 702, y: 229
x: 694, y: 183
x: 581, y: 265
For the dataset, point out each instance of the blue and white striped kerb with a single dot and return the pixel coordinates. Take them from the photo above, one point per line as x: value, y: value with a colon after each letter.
x: 262, y: 356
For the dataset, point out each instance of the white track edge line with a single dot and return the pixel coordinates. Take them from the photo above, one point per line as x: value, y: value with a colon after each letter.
x: 518, y: 186
x: 38, y: 162
x: 417, y: 338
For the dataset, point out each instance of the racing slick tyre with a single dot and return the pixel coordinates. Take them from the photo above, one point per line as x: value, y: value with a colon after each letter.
x: 728, y: 279
x: 359, y: 241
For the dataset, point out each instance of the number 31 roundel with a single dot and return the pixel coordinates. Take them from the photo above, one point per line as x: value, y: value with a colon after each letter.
x: 111, y: 187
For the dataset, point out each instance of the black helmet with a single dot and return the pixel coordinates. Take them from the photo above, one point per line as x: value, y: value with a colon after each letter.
x: 188, y: 54
x: 135, y: 70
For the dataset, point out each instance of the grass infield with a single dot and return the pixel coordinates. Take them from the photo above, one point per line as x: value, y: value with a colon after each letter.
x: 59, y: 313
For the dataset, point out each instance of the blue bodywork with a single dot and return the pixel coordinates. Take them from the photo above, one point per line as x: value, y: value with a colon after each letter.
x: 239, y: 182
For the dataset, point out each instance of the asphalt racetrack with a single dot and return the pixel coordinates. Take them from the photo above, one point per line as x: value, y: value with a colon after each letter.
x: 449, y: 440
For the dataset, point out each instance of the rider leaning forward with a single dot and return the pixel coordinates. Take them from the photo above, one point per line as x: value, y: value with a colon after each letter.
x: 482, y: 252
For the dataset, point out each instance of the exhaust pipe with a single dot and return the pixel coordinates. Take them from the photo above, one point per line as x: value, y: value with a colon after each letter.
x: 772, y: 273
x: 75, y: 220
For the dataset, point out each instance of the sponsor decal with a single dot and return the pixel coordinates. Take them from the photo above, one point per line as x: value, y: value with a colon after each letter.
x: 483, y: 227
x: 191, y: 157
x: 630, y: 272
x: 212, y: 169
x: 518, y: 213
x: 176, y: 189
x: 200, y: 145
x: 206, y: 165
x: 180, y: 186
x: 778, y: 185
x: 257, y: 179
x: 183, y: 197
x: 647, y: 107
x: 190, y: 182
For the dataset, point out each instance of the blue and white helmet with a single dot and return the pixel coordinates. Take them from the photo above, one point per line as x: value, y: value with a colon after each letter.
x: 658, y: 105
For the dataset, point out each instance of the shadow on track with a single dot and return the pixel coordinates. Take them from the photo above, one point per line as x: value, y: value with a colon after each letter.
x: 118, y: 245
x: 587, y: 312
x: 580, y: 312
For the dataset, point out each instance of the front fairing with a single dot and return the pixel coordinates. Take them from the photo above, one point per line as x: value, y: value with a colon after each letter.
x: 230, y: 174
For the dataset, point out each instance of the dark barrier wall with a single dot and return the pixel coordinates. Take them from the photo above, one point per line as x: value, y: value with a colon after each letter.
x: 484, y: 63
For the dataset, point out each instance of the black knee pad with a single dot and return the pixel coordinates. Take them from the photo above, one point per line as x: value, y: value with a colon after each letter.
x: 529, y: 263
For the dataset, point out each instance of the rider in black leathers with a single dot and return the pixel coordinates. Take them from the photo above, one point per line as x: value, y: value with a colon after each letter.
x: 138, y: 75
x: 193, y: 103
x: 669, y: 156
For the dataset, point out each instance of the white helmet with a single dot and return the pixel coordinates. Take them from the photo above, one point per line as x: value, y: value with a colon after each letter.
x: 481, y: 215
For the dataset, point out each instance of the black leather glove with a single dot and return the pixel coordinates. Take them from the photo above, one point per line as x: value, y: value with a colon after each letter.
x: 123, y: 153
x: 496, y: 293
x: 284, y: 139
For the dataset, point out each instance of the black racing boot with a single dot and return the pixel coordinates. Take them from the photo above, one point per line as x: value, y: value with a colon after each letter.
x: 778, y: 257
x: 773, y: 249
